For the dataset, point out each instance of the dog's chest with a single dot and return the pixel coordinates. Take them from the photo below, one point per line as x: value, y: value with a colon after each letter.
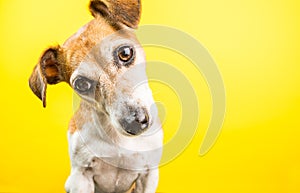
x: 109, y: 178
x: 114, y: 168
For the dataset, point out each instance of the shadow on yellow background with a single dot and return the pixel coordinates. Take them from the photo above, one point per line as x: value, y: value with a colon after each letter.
x: 256, y: 46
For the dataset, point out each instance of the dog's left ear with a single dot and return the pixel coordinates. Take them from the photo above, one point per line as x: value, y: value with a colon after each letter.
x: 49, y: 70
x: 127, y: 12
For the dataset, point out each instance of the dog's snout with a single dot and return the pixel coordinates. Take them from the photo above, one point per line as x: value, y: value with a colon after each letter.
x: 137, y: 122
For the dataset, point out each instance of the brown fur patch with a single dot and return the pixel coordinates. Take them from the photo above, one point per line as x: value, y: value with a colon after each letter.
x: 78, y: 46
x: 72, y: 126
x: 51, y: 66
x: 49, y: 70
x: 117, y: 11
x: 37, y: 83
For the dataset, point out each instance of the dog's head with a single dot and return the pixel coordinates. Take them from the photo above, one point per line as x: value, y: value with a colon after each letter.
x: 105, y: 65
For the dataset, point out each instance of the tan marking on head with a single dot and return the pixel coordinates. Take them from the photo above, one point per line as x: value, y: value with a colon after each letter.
x: 117, y: 12
x: 80, y: 44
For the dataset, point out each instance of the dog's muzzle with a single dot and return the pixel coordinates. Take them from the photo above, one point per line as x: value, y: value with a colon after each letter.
x: 137, y: 122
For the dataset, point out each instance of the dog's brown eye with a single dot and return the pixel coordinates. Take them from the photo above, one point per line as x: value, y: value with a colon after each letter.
x: 83, y: 85
x: 125, y: 55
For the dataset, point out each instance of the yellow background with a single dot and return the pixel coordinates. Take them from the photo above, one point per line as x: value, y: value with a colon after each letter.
x: 256, y: 46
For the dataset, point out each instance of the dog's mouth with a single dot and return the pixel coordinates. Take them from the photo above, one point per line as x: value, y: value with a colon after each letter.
x: 137, y: 123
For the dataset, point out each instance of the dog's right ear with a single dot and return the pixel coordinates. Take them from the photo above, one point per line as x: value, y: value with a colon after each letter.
x: 49, y: 70
x: 127, y: 12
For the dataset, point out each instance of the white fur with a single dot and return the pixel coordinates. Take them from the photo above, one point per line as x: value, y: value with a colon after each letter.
x: 103, y: 158
x: 113, y: 166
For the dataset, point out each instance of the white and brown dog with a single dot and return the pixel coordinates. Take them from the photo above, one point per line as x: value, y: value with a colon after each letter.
x: 115, y: 137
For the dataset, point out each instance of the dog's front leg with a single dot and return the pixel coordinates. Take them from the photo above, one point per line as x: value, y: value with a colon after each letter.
x: 80, y: 181
x: 147, y: 182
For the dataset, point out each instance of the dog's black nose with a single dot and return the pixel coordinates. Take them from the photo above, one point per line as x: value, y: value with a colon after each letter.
x: 136, y: 123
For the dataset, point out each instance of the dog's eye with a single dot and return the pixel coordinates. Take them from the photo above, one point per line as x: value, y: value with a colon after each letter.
x: 83, y: 85
x: 124, y: 55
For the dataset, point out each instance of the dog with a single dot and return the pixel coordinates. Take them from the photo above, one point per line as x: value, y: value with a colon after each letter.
x: 115, y: 136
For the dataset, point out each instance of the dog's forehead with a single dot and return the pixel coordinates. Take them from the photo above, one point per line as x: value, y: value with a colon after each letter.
x: 86, y: 38
x: 96, y: 32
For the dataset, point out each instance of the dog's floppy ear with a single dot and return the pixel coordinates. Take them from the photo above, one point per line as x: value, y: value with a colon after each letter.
x: 49, y: 70
x: 118, y: 11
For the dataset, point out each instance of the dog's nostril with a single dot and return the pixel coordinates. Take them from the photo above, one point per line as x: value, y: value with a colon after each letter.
x: 145, y: 121
x: 142, y: 118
